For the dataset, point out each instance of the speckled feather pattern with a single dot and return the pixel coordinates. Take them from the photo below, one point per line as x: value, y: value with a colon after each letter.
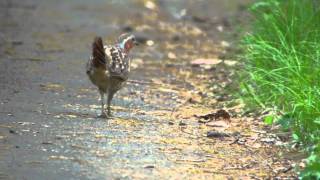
x: 119, y: 65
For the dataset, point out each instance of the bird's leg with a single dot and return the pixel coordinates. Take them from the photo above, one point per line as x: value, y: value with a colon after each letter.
x: 110, y: 96
x: 103, y: 114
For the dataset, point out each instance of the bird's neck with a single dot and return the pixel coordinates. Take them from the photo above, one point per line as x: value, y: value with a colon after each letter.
x: 125, y: 46
x: 122, y: 44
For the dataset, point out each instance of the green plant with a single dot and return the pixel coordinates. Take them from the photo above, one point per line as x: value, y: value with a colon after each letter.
x: 282, y: 64
x: 312, y: 171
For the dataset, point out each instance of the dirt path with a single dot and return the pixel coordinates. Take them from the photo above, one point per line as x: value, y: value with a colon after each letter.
x: 48, y: 127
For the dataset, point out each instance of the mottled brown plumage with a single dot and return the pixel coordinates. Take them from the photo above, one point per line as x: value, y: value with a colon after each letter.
x: 109, y: 66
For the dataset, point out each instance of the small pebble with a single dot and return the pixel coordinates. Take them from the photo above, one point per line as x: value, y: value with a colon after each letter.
x: 12, y: 131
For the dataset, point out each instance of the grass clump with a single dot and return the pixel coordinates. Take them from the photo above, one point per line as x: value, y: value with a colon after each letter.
x: 282, y: 63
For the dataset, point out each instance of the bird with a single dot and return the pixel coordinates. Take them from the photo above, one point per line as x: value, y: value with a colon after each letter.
x: 108, y: 67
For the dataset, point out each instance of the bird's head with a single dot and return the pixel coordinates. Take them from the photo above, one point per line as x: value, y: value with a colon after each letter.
x: 127, y: 42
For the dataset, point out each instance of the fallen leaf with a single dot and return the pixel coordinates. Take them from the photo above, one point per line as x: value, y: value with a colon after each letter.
x: 230, y: 63
x: 214, y: 116
x: 225, y: 44
x: 171, y: 55
x: 202, y: 61
x: 150, y: 5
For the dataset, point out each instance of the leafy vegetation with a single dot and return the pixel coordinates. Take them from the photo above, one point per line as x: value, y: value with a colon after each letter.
x: 282, y: 55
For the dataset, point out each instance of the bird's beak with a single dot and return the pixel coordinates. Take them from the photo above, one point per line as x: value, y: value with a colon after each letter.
x: 136, y: 43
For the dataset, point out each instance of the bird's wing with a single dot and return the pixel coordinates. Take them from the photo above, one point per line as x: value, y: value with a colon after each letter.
x: 99, y: 58
x: 119, y: 62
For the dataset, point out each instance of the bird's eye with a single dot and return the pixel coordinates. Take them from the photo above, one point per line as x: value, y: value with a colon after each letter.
x: 133, y: 39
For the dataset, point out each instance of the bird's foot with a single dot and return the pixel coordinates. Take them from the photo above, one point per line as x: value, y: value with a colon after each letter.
x: 103, y: 115
x: 110, y: 114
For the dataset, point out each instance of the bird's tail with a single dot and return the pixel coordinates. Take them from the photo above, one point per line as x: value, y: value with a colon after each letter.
x: 98, y: 53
